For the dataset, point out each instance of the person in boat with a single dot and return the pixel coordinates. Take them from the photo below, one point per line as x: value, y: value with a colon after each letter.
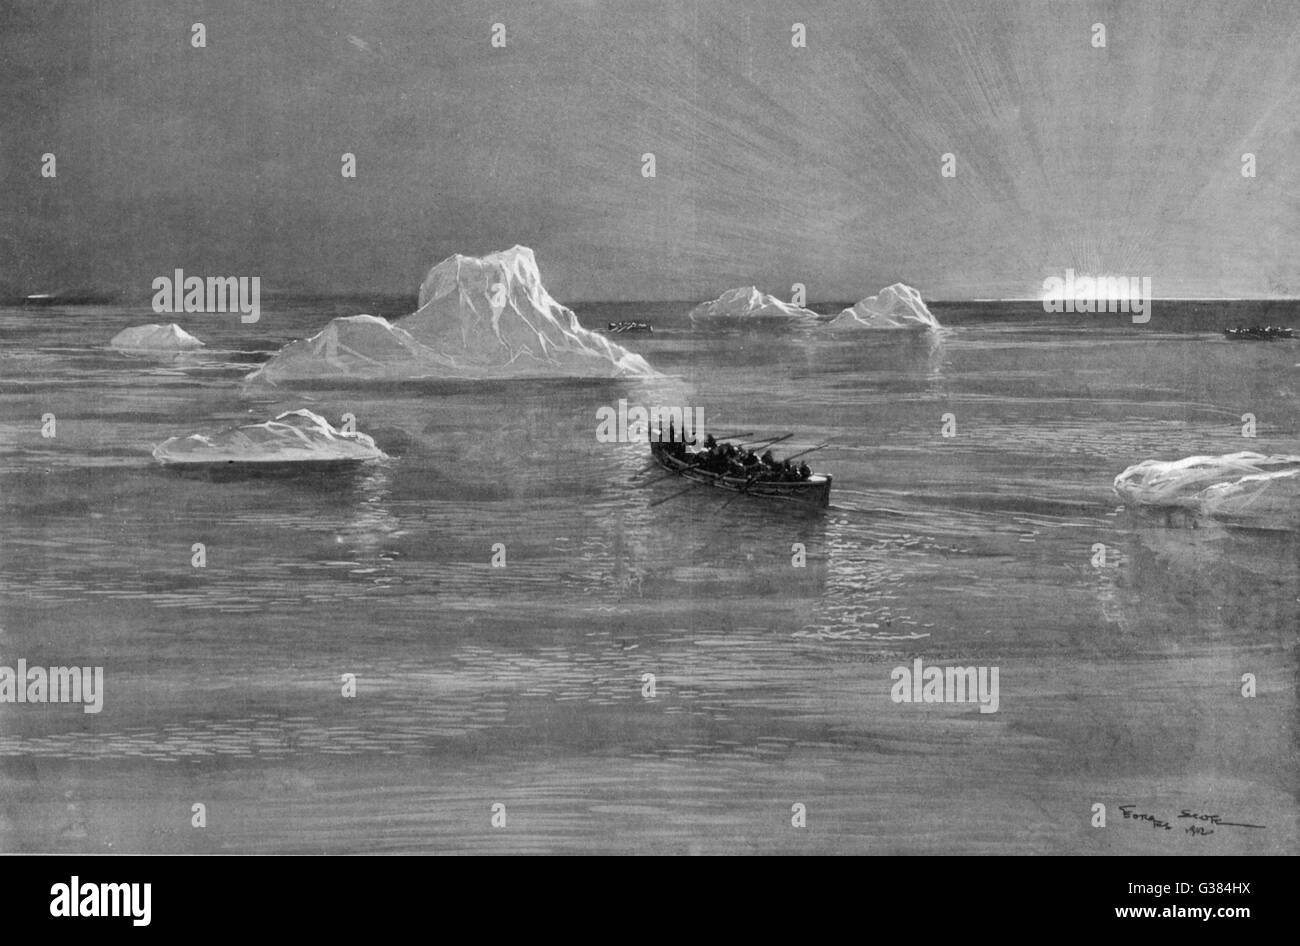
x: 742, y: 462
x: 718, y: 457
x: 703, y: 457
x: 804, y: 471
x: 673, y: 447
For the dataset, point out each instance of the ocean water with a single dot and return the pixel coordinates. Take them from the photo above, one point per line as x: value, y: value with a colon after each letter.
x: 525, y: 686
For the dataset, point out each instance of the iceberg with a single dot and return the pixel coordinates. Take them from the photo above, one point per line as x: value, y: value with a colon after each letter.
x: 1244, y: 486
x: 895, y: 307
x: 748, y: 302
x: 479, y: 318
x: 154, y: 338
x: 354, y: 346
x: 293, y: 437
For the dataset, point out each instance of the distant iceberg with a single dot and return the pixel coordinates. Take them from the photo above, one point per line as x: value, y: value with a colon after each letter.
x: 293, y: 437
x: 155, y: 338
x: 478, y: 319
x: 895, y: 307
x: 748, y: 302
x: 1243, y: 486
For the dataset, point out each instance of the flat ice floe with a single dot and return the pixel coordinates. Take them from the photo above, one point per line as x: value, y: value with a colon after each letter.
x: 154, y: 338
x: 293, y: 437
x: 1264, y: 490
x: 479, y: 318
x: 895, y: 307
x: 747, y: 302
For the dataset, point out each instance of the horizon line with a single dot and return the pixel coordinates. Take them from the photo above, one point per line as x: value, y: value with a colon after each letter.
x: 682, y: 301
x: 1153, y: 299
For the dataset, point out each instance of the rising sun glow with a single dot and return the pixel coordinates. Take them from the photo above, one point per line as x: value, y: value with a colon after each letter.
x: 1100, y: 288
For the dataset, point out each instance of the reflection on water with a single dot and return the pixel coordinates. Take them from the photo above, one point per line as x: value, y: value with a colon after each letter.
x: 770, y: 631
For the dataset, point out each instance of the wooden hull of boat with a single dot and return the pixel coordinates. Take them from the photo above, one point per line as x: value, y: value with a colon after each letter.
x: 814, y: 491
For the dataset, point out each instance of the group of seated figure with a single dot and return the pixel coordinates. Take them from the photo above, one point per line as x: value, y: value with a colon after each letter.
x: 730, y: 460
x: 1268, y: 332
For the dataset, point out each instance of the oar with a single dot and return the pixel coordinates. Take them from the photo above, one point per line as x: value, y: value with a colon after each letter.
x: 671, y: 473
x: 809, y: 450
x: 771, y: 442
x: 740, y: 492
x: 644, y: 470
x: 694, y: 483
x: 658, y: 479
x: 747, y: 433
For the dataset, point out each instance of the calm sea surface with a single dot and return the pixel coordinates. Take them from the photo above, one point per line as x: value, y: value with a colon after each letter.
x: 1120, y: 684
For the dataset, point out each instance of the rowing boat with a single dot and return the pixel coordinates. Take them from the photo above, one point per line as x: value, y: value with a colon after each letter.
x: 1258, y: 334
x: 672, y: 456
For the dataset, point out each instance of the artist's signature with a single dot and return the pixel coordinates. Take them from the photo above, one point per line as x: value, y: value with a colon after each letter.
x: 1200, y: 824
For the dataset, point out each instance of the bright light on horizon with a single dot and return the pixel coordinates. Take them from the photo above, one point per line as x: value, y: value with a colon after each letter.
x: 1103, y: 288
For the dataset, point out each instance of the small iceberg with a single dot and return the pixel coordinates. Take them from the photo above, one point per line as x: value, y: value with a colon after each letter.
x: 353, y: 346
x: 895, y: 307
x: 295, y: 437
x: 748, y: 303
x: 1249, y: 487
x: 154, y: 339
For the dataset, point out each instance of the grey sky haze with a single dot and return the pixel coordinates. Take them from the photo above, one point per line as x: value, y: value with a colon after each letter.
x: 774, y: 165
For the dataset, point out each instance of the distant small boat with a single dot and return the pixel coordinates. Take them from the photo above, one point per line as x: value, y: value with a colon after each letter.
x: 676, y: 458
x: 618, y: 327
x: 1267, y: 333
x: 65, y: 297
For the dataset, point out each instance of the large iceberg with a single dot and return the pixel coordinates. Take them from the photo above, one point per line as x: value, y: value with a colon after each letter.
x: 1242, y: 486
x: 293, y: 437
x: 748, y: 302
x: 895, y: 307
x: 154, y: 338
x: 478, y: 319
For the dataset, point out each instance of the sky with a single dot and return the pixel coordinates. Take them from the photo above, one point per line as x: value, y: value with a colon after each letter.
x: 774, y: 165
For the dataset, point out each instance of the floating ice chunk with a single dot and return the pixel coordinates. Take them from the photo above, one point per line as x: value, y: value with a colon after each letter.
x: 154, y: 338
x: 355, y: 346
x: 479, y: 318
x: 748, y: 302
x: 895, y: 307
x: 293, y: 437
x: 1265, y: 490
